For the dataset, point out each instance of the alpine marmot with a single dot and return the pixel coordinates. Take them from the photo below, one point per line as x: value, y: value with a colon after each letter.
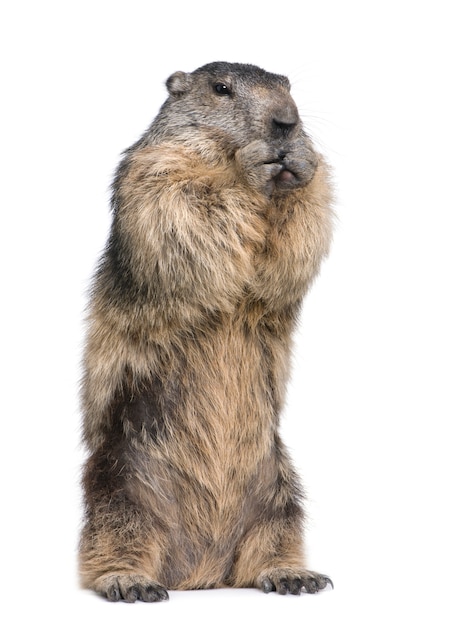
x: 221, y: 215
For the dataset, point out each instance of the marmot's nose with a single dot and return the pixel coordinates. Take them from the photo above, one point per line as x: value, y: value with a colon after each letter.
x: 284, y: 121
x: 283, y: 128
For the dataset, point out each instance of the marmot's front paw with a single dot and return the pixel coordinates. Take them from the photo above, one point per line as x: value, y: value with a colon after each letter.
x: 267, y: 167
x: 299, y: 164
x: 260, y: 165
x: 286, y: 581
x: 129, y: 587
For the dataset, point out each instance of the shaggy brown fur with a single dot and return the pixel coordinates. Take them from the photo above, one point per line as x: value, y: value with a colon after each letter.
x: 221, y: 217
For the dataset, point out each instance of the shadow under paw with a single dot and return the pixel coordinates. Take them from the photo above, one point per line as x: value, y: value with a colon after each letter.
x: 293, y: 581
x: 130, y: 588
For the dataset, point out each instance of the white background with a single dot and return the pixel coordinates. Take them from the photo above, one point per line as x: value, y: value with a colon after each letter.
x: 366, y: 418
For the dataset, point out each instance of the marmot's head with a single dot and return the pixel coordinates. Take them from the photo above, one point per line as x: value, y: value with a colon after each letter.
x: 243, y: 102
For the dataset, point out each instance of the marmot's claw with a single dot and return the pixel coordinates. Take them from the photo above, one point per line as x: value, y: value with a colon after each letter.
x: 267, y: 585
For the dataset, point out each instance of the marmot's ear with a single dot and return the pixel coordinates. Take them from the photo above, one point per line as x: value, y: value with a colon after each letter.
x: 178, y: 83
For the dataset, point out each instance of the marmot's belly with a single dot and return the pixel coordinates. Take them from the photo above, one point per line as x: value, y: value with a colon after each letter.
x: 208, y: 467
x: 209, y: 522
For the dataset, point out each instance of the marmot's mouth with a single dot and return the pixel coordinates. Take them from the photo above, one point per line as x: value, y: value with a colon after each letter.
x: 285, y: 176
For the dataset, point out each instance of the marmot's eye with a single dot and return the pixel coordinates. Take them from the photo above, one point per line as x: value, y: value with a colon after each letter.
x: 221, y: 89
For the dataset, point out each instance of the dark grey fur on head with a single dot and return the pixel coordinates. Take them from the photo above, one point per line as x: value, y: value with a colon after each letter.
x: 250, y: 73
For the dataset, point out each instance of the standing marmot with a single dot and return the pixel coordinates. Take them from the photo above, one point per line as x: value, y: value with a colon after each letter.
x: 221, y: 216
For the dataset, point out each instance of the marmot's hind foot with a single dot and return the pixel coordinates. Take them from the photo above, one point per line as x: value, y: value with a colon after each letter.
x: 130, y: 588
x: 288, y: 581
